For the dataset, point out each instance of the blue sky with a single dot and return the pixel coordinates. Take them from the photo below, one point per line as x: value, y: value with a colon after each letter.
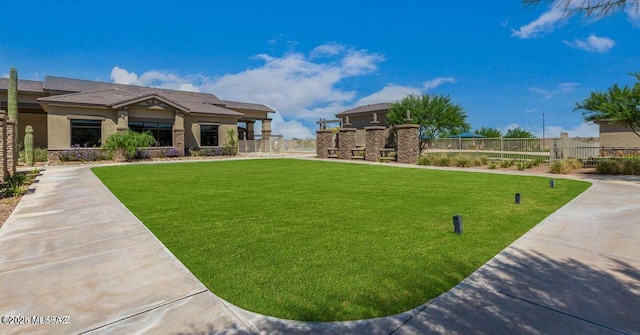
x: 505, y: 64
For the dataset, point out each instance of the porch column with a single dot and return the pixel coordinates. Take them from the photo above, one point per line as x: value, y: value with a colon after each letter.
x: 123, y: 120
x: 250, y: 131
x: 178, y: 132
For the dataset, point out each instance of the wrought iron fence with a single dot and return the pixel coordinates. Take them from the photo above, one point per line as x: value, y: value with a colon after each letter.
x: 494, y: 148
x: 590, y: 156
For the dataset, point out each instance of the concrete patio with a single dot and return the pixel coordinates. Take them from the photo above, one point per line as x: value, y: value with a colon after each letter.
x: 72, y: 249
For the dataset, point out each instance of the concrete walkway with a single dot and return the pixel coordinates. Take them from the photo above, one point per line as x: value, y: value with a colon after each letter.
x: 71, y: 249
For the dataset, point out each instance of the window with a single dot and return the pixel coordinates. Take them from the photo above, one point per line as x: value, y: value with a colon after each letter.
x: 86, y: 133
x: 159, y: 130
x: 208, y: 136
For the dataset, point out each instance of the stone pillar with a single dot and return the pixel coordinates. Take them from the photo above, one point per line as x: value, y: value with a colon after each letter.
x: 250, y: 130
x: 323, y: 142
x: 12, y: 153
x: 266, y: 129
x: 178, y: 133
x: 3, y: 149
x: 347, y: 141
x: 374, y: 142
x: 123, y: 120
x: 408, y: 143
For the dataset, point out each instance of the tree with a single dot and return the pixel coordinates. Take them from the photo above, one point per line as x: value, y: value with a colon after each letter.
x: 618, y: 105
x: 591, y: 8
x: 435, y: 114
x: 489, y: 132
x: 518, y: 133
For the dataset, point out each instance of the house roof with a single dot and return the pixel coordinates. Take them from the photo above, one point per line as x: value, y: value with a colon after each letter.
x: 373, y: 108
x: 247, y: 106
x: 23, y: 85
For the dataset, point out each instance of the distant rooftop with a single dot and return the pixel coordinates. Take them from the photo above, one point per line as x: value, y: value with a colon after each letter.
x: 373, y: 108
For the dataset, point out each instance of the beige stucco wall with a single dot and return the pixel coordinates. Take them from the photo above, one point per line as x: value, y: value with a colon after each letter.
x: 38, y: 121
x: 59, y: 123
x: 192, y: 128
x: 615, y: 135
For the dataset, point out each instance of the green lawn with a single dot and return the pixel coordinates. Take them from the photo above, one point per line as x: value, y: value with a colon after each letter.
x: 324, y: 241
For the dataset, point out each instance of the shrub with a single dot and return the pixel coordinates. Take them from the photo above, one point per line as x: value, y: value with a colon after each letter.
x: 506, y: 164
x: 13, y: 186
x: 172, y: 152
x: 77, y: 154
x: 493, y: 166
x: 565, y: 166
x: 442, y: 161
x: 129, y: 142
x: 484, y: 160
x: 217, y: 151
x: 619, y: 167
x: 463, y: 162
x: 425, y: 160
x: 142, y: 154
x: 521, y: 165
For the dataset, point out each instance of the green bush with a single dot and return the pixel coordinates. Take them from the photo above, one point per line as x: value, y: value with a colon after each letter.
x: 463, y: 161
x: 442, y: 161
x: 619, y: 166
x: 425, y: 160
x: 13, y: 186
x: 493, y: 166
x: 129, y: 142
x: 505, y: 164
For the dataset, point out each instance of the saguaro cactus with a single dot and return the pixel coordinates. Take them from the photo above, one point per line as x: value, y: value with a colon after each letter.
x: 12, y: 104
x: 28, y: 145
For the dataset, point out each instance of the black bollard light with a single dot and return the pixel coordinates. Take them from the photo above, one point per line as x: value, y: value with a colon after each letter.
x: 457, y: 224
x: 517, y: 198
x: 552, y: 183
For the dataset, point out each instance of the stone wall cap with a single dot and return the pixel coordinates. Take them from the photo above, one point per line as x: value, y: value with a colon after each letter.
x: 408, y: 126
x: 348, y: 129
x: 324, y: 131
x: 375, y: 128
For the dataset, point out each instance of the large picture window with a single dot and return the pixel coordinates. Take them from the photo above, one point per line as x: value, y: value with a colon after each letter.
x: 161, y: 131
x: 208, y: 135
x: 86, y: 133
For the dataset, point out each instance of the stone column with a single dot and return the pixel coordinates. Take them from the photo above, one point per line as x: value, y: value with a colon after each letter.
x: 178, y: 132
x: 266, y: 129
x: 408, y: 143
x: 250, y: 130
x: 123, y: 120
x: 3, y: 149
x: 323, y: 143
x: 346, y: 142
x: 374, y: 142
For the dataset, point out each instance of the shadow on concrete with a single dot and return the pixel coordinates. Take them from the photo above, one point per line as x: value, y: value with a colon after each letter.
x: 530, y: 292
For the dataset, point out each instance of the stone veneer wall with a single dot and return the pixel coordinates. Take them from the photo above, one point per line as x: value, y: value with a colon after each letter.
x: 178, y: 141
x: 8, y: 153
x: 323, y: 142
x: 374, y: 142
x: 408, y: 143
x: 347, y: 141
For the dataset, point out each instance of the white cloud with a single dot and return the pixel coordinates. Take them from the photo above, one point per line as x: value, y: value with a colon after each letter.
x: 532, y: 110
x: 159, y: 79
x: 633, y: 13
x: 580, y: 130
x: 563, y: 88
x: 298, y: 86
x: 592, y: 44
x: 543, y: 25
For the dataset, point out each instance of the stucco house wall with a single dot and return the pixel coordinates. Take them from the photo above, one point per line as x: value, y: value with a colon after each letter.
x: 617, y: 135
x: 192, y: 126
x: 59, y: 123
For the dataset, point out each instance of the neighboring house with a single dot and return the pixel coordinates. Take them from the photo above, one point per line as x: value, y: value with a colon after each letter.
x: 362, y: 117
x: 617, y: 135
x: 66, y: 112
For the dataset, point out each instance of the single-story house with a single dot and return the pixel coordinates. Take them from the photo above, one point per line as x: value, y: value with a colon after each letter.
x: 617, y: 135
x: 66, y: 112
x: 363, y: 116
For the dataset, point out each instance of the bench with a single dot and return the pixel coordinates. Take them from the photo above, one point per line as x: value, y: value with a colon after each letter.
x: 333, y: 153
x: 384, y: 154
x: 357, y: 153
